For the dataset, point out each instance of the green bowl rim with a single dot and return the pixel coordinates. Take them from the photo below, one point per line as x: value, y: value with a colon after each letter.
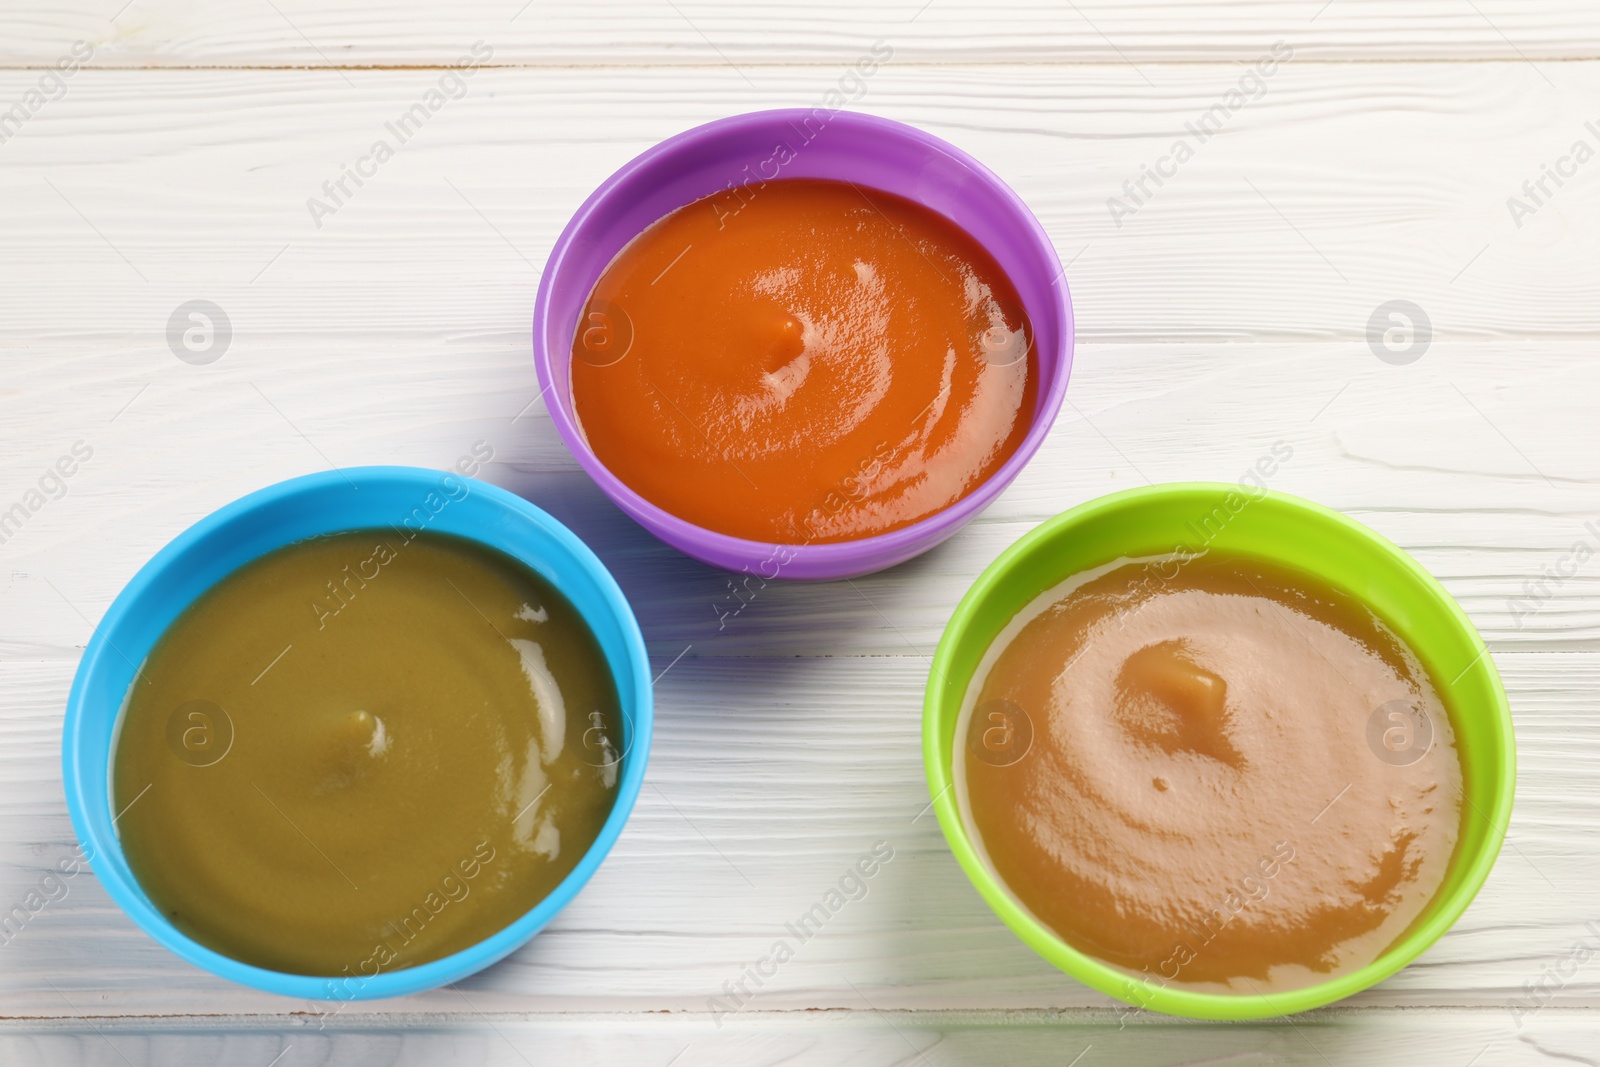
x: 1111, y: 980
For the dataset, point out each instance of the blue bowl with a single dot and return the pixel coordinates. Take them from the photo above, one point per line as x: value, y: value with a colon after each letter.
x: 331, y: 502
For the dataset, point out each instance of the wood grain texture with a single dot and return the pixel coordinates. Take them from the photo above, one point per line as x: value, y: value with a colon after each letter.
x: 1228, y: 312
x: 1342, y: 187
x: 821, y: 1038
x: 299, y: 33
x: 1443, y: 457
x: 768, y: 778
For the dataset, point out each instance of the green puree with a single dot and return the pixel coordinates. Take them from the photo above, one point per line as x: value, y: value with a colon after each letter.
x: 362, y: 752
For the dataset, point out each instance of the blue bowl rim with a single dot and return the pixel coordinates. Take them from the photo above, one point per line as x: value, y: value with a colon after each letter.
x: 126, y: 893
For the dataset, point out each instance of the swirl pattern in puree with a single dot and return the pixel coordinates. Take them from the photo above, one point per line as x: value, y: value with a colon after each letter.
x: 822, y: 362
x: 1176, y: 768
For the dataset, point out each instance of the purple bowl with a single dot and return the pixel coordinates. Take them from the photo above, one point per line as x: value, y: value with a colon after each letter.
x: 872, y: 152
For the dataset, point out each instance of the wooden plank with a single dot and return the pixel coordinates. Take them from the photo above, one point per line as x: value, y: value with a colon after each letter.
x: 1443, y: 457
x: 1343, y: 187
x: 822, y: 1038
x: 718, y: 32
x: 768, y: 778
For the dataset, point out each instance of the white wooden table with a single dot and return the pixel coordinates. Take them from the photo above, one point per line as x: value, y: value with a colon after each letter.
x: 1227, y: 311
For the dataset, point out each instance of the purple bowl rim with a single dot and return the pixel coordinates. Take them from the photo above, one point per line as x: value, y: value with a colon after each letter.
x: 835, y: 557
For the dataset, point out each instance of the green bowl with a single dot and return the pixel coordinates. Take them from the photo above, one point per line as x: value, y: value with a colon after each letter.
x: 1281, y: 529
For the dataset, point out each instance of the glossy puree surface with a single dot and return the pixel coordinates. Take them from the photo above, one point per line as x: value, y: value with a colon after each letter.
x: 803, y: 361
x: 365, y: 751
x: 1213, y: 772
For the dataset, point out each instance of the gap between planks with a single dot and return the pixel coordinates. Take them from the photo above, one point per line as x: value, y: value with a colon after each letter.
x: 812, y: 64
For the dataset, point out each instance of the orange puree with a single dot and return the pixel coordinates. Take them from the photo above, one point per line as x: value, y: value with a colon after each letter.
x: 821, y: 363
x: 1219, y: 774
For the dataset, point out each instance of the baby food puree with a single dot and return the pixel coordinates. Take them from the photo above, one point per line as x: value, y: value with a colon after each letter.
x: 363, y: 752
x: 803, y: 361
x: 1211, y: 771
